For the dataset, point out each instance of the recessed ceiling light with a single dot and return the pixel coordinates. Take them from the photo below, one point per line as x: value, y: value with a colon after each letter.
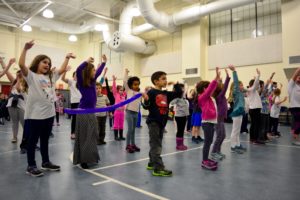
x: 73, y: 38
x: 48, y: 13
x: 27, y: 28
x: 101, y: 27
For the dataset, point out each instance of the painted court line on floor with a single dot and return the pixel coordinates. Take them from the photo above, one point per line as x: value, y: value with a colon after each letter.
x: 109, y: 179
x: 127, y: 185
x: 101, y: 182
x: 143, y: 159
x: 279, y: 145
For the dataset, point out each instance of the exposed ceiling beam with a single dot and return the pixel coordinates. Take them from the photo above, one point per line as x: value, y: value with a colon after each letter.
x: 36, y: 12
x: 13, y: 10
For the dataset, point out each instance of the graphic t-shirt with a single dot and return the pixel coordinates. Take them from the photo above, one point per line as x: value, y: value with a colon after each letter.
x: 41, y: 95
x: 158, y: 106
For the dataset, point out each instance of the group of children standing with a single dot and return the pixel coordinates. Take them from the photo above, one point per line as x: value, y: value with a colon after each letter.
x: 34, y: 90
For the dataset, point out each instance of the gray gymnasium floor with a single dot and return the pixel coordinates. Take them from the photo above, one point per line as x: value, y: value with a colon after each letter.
x: 263, y: 173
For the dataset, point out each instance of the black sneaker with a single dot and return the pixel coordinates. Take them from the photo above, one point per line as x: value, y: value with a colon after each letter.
x: 50, y: 167
x: 23, y: 151
x: 34, y: 171
x: 162, y: 172
x: 84, y: 166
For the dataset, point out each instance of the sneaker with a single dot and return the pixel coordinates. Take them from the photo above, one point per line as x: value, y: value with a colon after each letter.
x: 84, y: 166
x: 122, y: 138
x: 129, y: 149
x: 200, y: 139
x: 241, y: 148
x: 73, y: 136
x: 23, y: 151
x: 150, y: 166
x: 296, y: 142
x: 206, y: 164
x: 14, y: 140
x: 58, y: 124
x: 214, y: 163
x: 277, y: 135
x: 50, y: 167
x: 221, y: 154
x: 236, y: 150
x: 194, y: 140
x: 34, y: 171
x: 162, y: 172
x: 181, y: 148
x: 136, y: 148
x: 216, y: 157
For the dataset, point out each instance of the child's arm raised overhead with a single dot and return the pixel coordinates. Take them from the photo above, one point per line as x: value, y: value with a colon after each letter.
x: 103, y: 77
x: 63, y: 78
x: 125, y: 79
x: 211, y: 87
x: 226, y: 83
x: 6, y: 69
x: 63, y: 67
x: 256, y: 82
x: 101, y: 66
x: 114, y: 86
x: 80, y: 68
x: 235, y: 78
x: 296, y: 73
x: 22, y: 59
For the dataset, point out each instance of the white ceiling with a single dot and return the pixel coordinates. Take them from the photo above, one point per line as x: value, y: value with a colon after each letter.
x: 70, y: 11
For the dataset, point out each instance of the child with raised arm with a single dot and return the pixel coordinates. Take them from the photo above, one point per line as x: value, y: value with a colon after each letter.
x: 275, y: 111
x: 85, y: 148
x: 120, y: 96
x: 75, y: 98
x: 39, y: 111
x: 238, y: 110
x: 157, y: 103
x: 222, y: 108
x: 132, y: 87
x: 294, y: 94
x: 209, y: 117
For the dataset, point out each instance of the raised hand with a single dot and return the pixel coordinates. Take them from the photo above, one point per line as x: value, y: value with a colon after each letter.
x: 90, y: 60
x: 257, y: 71
x: 126, y: 71
x: 218, y: 74
x: 12, y: 61
x: 68, y: 68
x: 70, y: 55
x: 114, y: 77
x: 104, y: 59
x: 231, y: 67
x: 29, y: 44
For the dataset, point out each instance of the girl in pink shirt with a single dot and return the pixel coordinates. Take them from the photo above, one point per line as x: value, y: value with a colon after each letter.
x: 120, y: 95
x: 209, y: 117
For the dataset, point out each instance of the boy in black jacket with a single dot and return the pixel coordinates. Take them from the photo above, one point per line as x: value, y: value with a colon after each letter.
x: 158, y: 105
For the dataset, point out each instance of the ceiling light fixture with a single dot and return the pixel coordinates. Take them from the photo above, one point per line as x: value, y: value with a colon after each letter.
x: 101, y: 27
x: 48, y: 13
x: 27, y: 28
x: 73, y: 38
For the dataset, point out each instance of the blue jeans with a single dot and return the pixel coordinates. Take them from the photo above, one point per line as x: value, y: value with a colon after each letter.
x: 131, y: 118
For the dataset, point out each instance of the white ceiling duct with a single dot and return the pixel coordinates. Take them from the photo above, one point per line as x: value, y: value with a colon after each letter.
x: 123, y: 40
x: 169, y: 23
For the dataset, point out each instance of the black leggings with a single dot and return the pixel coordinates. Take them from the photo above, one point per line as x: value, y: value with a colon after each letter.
x: 255, y: 127
x: 274, y: 125
x: 208, y: 129
x: 180, y: 121
x: 73, y: 123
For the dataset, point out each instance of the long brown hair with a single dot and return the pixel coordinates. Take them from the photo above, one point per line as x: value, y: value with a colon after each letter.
x: 86, y: 75
x: 35, y: 64
x: 24, y: 85
x: 230, y: 98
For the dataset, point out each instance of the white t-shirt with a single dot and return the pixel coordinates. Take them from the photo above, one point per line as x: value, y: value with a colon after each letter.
x: 275, y: 109
x: 21, y: 102
x: 41, y: 96
x: 74, y: 92
x: 294, y: 93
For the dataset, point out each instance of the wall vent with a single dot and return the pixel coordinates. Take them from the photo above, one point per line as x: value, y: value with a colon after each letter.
x: 294, y: 59
x: 190, y: 71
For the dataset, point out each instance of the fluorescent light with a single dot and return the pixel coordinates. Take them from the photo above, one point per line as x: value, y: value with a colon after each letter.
x: 101, y: 27
x: 73, y: 38
x: 48, y: 13
x: 27, y: 28
x: 135, y: 12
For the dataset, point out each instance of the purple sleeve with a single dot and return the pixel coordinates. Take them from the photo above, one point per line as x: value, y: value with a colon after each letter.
x: 99, y: 70
x: 79, y: 73
x: 226, y: 83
